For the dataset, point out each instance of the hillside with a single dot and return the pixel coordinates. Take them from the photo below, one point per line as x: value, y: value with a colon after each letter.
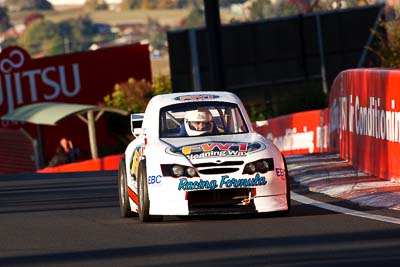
x: 170, y: 17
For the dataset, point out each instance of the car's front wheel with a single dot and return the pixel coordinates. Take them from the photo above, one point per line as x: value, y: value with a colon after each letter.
x: 144, y: 202
x: 124, y: 205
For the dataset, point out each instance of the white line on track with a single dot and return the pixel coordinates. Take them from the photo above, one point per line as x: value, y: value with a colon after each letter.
x: 309, y: 201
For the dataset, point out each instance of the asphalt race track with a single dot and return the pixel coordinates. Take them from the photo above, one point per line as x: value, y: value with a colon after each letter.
x: 73, y: 220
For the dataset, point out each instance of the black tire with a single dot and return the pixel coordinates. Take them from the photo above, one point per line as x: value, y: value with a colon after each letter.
x: 143, y: 194
x: 124, y: 205
x: 286, y: 212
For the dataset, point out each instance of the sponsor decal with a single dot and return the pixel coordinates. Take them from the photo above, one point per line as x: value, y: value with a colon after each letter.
x: 196, y: 97
x: 293, y: 140
x: 133, y: 195
x: 373, y: 120
x: 27, y: 86
x: 224, y: 182
x: 135, y: 163
x: 154, y: 179
x: 185, y: 184
x: 280, y: 172
x: 214, y: 149
x: 207, y: 150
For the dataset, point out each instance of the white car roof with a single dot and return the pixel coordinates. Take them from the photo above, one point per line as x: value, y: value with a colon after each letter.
x: 151, y: 116
x: 175, y: 98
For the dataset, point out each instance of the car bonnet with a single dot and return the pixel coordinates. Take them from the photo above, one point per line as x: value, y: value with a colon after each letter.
x: 215, y: 148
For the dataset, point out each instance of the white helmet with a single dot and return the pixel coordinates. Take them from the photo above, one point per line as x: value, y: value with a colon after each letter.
x: 198, y: 122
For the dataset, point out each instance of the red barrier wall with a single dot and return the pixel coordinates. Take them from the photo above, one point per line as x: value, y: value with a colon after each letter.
x: 84, y: 78
x: 364, y: 126
x: 102, y: 164
x: 365, y: 120
x: 298, y: 133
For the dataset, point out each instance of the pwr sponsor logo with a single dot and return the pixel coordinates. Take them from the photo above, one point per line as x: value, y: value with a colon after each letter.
x: 196, y: 97
x: 215, y: 150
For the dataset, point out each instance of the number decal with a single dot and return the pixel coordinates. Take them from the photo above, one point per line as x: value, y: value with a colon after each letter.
x: 280, y: 172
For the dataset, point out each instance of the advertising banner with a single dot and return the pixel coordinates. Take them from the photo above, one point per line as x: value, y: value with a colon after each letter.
x: 83, y: 78
x: 365, y: 120
x: 298, y: 133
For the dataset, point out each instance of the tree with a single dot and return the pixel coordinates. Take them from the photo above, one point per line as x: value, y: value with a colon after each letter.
x: 227, y: 3
x: 261, y: 9
x: 162, y: 84
x: 387, y: 47
x: 156, y: 33
x: 11, y: 41
x: 77, y: 34
x: 167, y: 4
x: 149, y: 4
x: 4, y: 19
x: 162, y: 4
x: 41, y: 36
x: 30, y: 4
x: 96, y: 5
x: 196, y: 17
x: 134, y: 95
x: 43, y: 5
x: 31, y: 17
x: 182, y: 3
x: 130, y: 4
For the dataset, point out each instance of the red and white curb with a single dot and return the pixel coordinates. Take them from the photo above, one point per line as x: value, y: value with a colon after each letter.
x: 327, y: 206
x: 330, y: 175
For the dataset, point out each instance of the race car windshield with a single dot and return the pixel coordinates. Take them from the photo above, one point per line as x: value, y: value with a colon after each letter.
x: 198, y: 119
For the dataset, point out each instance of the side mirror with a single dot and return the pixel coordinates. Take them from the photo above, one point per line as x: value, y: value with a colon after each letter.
x: 136, y: 121
x: 138, y: 131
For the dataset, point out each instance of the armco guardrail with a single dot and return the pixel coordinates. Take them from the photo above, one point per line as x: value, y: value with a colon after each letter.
x: 364, y: 120
x: 298, y: 133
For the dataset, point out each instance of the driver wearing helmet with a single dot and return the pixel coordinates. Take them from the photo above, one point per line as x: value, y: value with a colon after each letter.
x: 198, y: 122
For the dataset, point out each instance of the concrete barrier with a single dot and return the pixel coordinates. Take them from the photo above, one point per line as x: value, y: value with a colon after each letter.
x: 364, y: 120
x: 362, y: 124
x: 101, y: 164
x: 298, y: 133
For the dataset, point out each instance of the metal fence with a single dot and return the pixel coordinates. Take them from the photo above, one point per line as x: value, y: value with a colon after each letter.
x: 275, y: 51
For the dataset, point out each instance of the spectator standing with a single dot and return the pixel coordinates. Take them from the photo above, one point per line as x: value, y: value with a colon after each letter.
x: 65, y: 153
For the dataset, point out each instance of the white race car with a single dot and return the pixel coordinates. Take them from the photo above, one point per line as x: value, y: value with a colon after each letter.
x: 196, y: 153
